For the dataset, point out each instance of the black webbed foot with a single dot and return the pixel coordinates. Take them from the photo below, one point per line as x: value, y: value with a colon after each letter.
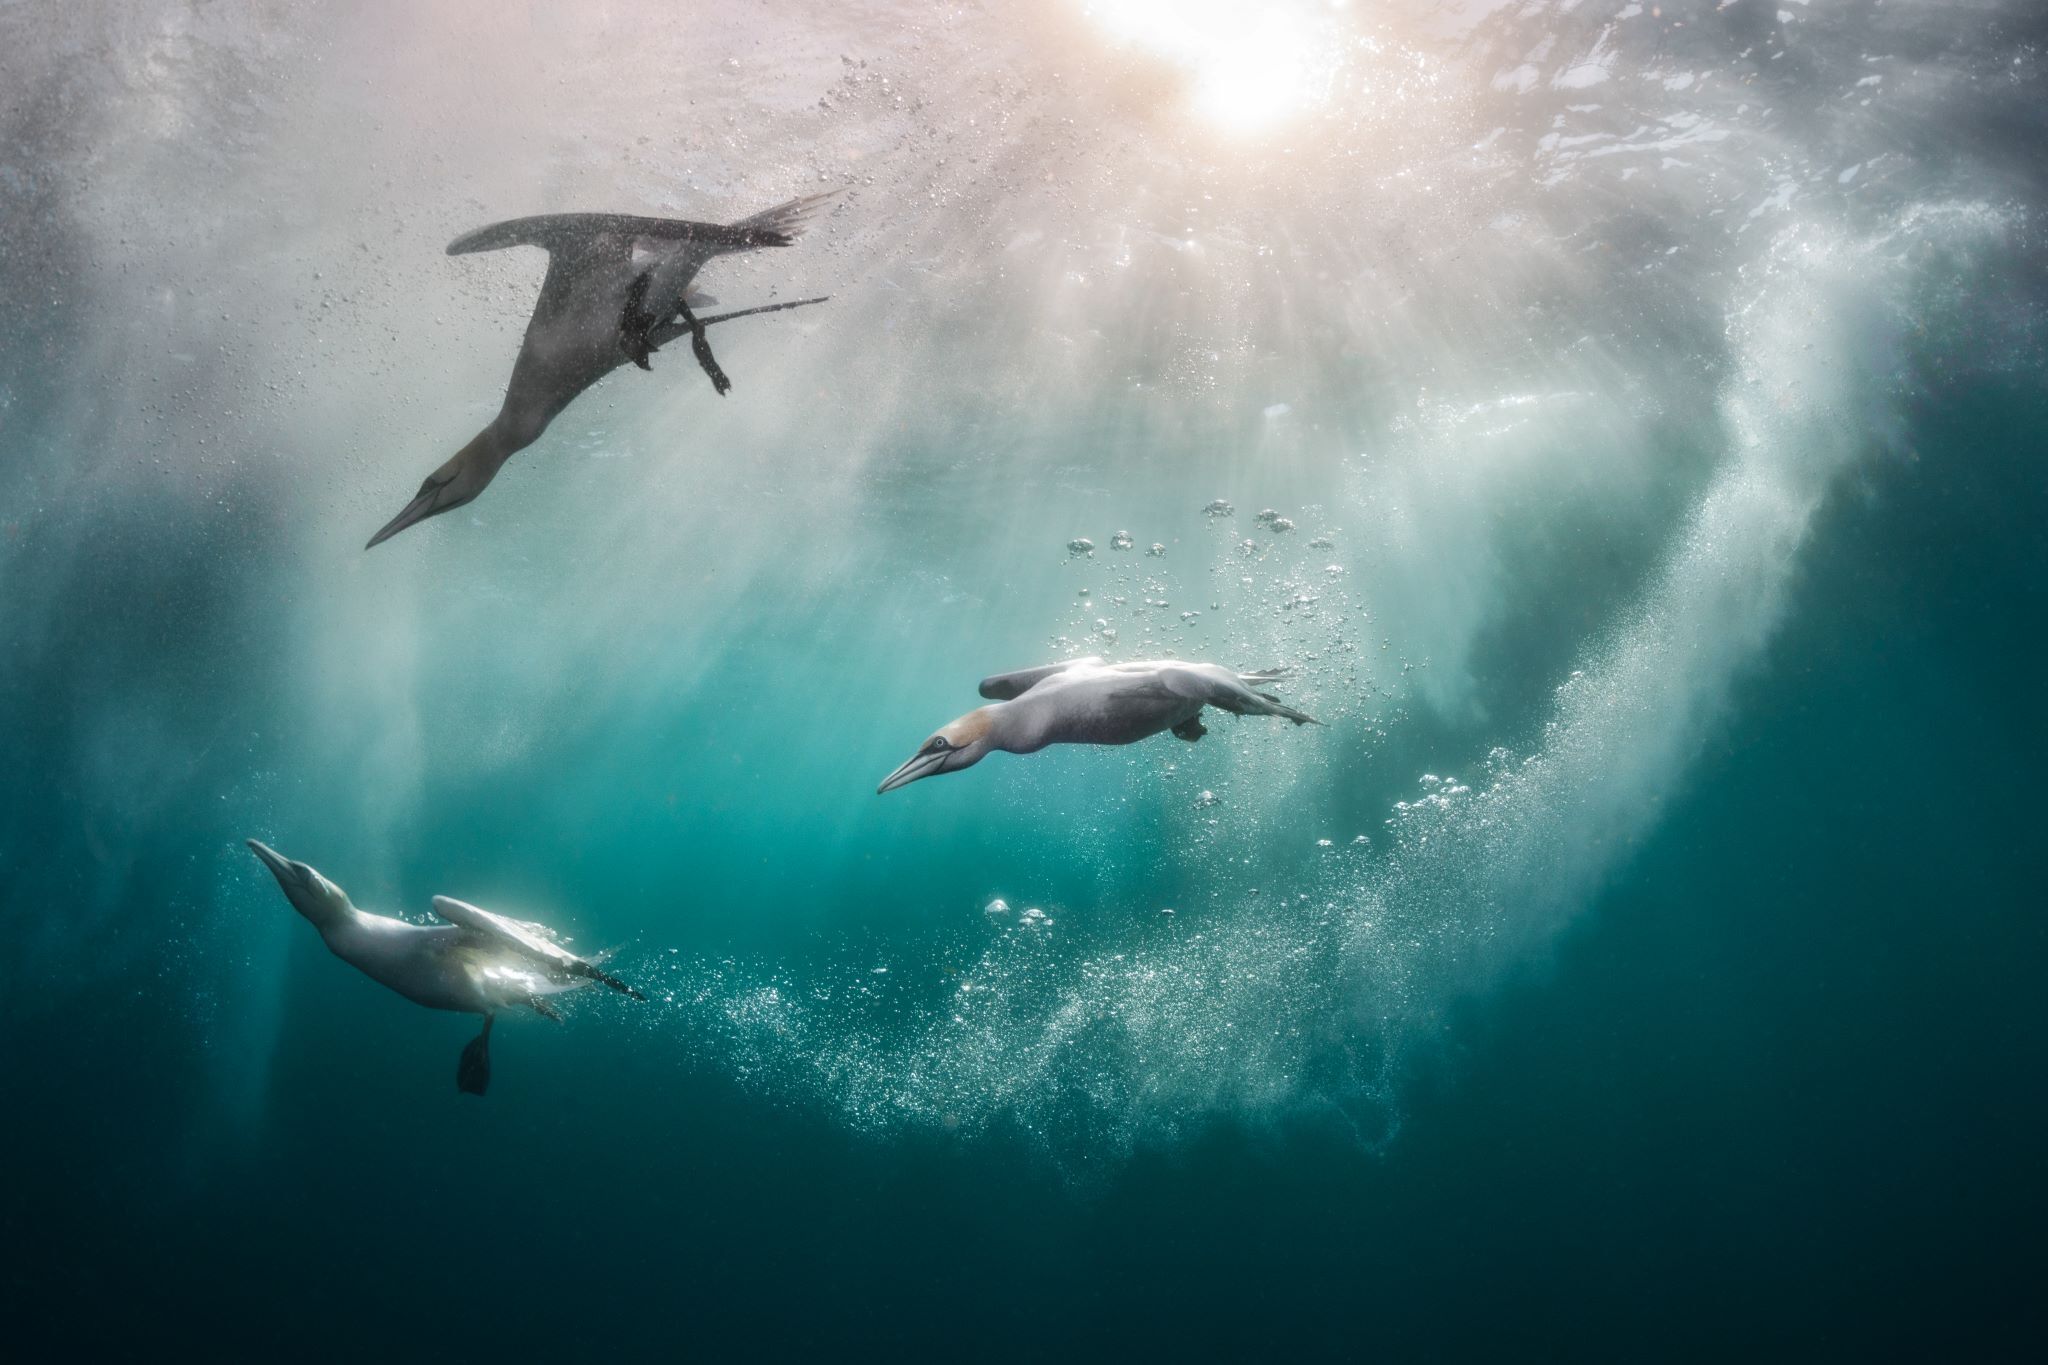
x: 702, y: 349
x: 473, y: 1072
x: 1190, y: 729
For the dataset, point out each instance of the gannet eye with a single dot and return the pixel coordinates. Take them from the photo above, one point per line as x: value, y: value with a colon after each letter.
x: 939, y: 744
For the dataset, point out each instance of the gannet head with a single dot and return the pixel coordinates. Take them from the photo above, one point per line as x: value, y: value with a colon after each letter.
x: 311, y: 894
x: 960, y: 744
x: 467, y: 473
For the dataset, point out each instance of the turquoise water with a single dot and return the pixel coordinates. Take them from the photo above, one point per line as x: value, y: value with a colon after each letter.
x: 1643, y: 959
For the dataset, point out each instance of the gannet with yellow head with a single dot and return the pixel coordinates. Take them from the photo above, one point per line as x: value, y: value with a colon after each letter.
x: 1087, y: 701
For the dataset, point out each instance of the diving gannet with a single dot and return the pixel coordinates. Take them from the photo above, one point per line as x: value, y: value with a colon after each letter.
x: 1087, y: 701
x: 475, y: 963
x: 618, y: 287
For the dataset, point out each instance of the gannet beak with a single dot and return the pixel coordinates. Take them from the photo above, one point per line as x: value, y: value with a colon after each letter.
x: 281, y: 867
x: 920, y: 765
x: 431, y: 500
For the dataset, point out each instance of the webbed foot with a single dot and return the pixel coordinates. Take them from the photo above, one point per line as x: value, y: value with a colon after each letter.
x: 473, y: 1072
x: 702, y: 350
x: 1190, y: 729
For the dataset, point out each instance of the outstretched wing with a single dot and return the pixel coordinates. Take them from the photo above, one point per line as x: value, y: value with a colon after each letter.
x: 579, y: 233
x: 535, y: 942
x: 665, y: 251
x: 1010, y: 686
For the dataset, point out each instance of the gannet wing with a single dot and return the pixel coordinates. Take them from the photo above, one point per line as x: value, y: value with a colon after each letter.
x: 535, y: 942
x: 1010, y: 686
x: 576, y: 234
x: 531, y: 939
x: 1222, y: 689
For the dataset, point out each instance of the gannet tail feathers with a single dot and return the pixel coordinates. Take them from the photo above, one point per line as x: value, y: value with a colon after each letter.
x: 1223, y: 690
x: 784, y: 223
x: 596, y: 960
x: 1250, y: 703
x: 1276, y: 707
x: 1273, y: 705
x: 603, y: 977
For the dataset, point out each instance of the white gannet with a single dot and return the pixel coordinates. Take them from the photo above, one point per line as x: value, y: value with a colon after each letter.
x: 1087, y: 701
x: 475, y: 963
x: 617, y: 288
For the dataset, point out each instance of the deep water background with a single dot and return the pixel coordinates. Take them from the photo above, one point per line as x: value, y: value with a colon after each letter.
x: 1662, y: 394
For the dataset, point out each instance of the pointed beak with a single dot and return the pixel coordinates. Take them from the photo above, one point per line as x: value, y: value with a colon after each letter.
x: 281, y: 867
x: 431, y: 501
x: 920, y: 765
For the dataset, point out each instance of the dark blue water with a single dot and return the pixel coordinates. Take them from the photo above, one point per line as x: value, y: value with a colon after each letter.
x: 1667, y: 986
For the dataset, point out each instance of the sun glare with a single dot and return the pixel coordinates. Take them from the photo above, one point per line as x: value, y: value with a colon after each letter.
x: 1250, y: 66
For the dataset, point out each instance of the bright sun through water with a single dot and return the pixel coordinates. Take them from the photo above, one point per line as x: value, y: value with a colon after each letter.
x: 1251, y: 64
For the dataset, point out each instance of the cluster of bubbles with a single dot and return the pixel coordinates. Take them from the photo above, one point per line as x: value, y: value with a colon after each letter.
x: 1201, y: 1010
x: 1321, y: 988
x: 1272, y: 598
